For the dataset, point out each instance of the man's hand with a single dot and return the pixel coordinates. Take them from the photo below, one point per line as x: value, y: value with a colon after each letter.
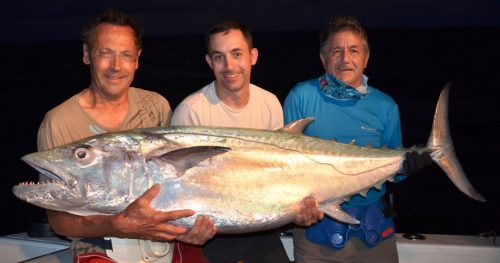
x: 414, y: 162
x: 202, y: 230
x: 141, y: 221
x: 309, y: 213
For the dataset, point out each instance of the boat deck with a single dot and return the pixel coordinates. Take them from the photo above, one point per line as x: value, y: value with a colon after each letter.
x: 434, y: 248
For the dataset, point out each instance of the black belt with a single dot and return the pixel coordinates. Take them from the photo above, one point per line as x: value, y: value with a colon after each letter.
x: 100, y: 242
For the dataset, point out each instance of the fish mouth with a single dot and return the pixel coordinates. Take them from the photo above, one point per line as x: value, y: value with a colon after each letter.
x: 54, y: 173
x: 52, y: 195
x: 57, y: 192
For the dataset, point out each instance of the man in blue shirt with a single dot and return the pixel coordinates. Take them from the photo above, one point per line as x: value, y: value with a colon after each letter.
x: 346, y: 109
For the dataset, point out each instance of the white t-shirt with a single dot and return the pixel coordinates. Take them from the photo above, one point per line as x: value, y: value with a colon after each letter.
x: 263, y: 110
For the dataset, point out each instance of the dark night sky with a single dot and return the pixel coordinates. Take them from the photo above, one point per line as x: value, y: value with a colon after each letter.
x: 34, y: 20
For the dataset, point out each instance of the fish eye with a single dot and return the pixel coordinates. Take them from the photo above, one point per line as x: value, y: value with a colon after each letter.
x: 81, y: 153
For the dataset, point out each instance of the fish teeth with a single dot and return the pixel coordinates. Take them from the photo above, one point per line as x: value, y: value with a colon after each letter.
x: 38, y: 183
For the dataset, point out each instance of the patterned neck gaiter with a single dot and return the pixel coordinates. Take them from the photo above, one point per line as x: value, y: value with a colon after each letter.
x: 337, y: 89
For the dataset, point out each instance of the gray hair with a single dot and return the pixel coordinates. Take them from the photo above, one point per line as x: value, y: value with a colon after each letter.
x: 342, y: 23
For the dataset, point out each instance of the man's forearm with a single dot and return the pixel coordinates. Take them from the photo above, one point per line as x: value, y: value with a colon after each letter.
x: 80, y: 226
x: 138, y: 221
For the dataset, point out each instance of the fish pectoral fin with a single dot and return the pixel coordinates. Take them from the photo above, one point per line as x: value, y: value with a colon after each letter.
x: 334, y: 211
x: 186, y: 158
x: 171, y: 146
x: 298, y: 126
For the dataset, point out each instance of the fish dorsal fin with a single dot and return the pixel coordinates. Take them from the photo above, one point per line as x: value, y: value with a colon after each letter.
x: 185, y: 158
x: 334, y: 211
x: 298, y: 126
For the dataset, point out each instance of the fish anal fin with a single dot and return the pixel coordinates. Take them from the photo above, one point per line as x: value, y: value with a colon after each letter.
x: 186, y: 158
x: 379, y: 185
x: 335, y: 212
x: 364, y: 192
x: 298, y: 126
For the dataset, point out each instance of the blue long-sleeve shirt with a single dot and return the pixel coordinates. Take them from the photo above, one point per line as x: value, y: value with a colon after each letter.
x: 373, y: 119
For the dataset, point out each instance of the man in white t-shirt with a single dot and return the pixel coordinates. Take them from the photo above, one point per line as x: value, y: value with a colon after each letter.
x: 232, y: 101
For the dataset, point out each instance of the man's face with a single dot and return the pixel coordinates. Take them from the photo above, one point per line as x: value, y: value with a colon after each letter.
x: 231, y: 59
x: 345, y: 57
x: 113, y: 59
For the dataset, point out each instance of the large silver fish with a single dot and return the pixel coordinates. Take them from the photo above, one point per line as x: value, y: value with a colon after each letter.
x: 245, y: 179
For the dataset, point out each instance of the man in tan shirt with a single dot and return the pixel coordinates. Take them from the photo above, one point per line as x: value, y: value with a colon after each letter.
x: 111, y: 48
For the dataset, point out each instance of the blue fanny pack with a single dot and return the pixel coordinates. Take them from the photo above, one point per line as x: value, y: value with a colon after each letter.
x: 373, y: 229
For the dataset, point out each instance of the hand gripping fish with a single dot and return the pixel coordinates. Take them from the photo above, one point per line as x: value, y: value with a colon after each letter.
x: 246, y: 179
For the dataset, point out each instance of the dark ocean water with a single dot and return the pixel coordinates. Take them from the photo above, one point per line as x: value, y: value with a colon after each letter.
x: 411, y: 65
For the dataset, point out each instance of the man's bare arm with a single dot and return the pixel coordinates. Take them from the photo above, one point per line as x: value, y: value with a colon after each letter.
x: 138, y: 221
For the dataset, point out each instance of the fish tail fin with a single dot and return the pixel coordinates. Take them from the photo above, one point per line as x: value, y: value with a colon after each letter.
x: 442, y: 150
